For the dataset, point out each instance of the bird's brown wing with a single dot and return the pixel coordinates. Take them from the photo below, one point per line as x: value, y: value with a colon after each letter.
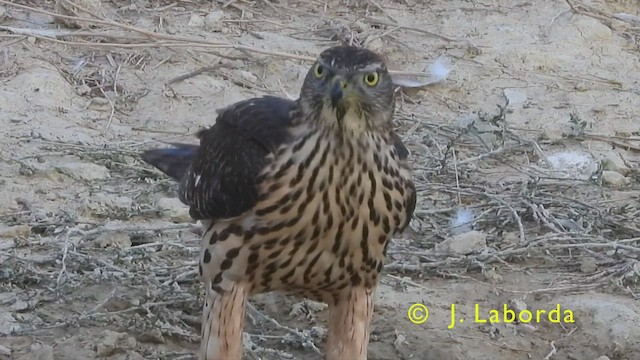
x: 403, y: 155
x: 221, y: 175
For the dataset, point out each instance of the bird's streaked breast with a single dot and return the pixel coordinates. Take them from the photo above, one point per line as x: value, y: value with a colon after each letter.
x: 326, y: 211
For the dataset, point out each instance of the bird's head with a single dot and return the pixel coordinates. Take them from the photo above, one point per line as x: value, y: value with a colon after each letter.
x: 349, y: 87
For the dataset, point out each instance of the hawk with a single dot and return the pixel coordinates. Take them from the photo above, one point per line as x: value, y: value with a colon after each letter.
x: 299, y: 197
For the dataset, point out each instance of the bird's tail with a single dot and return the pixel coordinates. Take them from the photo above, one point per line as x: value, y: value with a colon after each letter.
x: 172, y: 161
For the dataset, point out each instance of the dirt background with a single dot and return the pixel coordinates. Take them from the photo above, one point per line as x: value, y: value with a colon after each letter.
x: 97, y: 256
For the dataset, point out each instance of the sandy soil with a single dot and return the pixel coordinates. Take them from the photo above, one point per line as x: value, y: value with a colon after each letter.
x: 97, y: 256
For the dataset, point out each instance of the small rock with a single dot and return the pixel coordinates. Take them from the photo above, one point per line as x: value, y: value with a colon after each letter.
x: 510, y: 238
x: 175, y: 209
x: 66, y: 8
x: 376, y: 45
x: 491, y: 275
x: 113, y: 342
x: 588, y: 265
x: 5, y: 351
x: 593, y: 30
x: 319, y: 332
x: 25, y: 170
x: 573, y: 164
x: 3, y: 14
x: 83, y: 90
x: 515, y: 96
x: 41, y: 352
x: 213, y: 21
x: 605, y: 318
x: 123, y: 202
x: 614, y: 179
x: 246, y: 75
x: 19, y: 306
x: 8, y: 324
x: 85, y: 171
x: 132, y: 355
x: 15, y: 231
x: 400, y: 339
x: 613, y: 162
x: 518, y: 305
x: 117, y: 240
x: 359, y: 26
x: 581, y: 87
x: 603, y: 357
x: 52, y: 174
x: 154, y: 336
x: 463, y: 244
x: 547, y: 135
x: 196, y: 21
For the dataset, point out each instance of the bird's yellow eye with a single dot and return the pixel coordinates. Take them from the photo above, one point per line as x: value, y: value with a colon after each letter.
x: 372, y: 79
x: 318, y: 71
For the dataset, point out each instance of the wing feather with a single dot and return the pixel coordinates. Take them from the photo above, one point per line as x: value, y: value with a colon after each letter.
x: 403, y: 154
x: 220, y: 178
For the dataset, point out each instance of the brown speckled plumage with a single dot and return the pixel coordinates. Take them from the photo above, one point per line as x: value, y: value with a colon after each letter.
x: 300, y: 197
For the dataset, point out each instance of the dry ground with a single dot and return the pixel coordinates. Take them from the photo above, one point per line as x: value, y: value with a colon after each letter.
x: 97, y: 258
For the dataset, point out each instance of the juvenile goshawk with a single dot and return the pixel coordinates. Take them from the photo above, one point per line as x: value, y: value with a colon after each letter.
x: 300, y: 197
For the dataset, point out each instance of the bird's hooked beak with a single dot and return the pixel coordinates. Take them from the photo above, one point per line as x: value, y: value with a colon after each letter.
x: 339, y: 86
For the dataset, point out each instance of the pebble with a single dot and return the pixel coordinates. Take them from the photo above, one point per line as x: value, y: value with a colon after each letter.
x: 85, y: 171
x: 123, y: 202
x: 8, y: 324
x: 174, y: 209
x: 490, y: 274
x: 3, y: 14
x: 112, y: 341
x: 64, y: 8
x: 213, y: 21
x: 15, y: 231
x: 118, y: 240
x: 593, y: 29
x: 463, y: 244
x: 515, y: 96
x: 518, y: 305
x: 605, y: 318
x: 5, y: 351
x: 154, y: 336
x: 196, y: 21
x: 246, y: 75
x: 612, y: 161
x: 614, y: 179
x: 588, y: 265
x: 376, y: 45
x: 41, y: 352
x: 581, y: 87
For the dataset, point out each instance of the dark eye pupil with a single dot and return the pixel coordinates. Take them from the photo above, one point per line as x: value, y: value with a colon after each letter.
x: 371, y: 78
x: 319, y: 70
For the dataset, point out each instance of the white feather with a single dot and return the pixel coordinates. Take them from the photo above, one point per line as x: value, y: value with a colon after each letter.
x: 440, y: 69
x: 462, y: 221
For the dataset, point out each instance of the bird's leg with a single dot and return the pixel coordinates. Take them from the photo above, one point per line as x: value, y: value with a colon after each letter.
x: 349, y: 321
x: 223, y: 322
